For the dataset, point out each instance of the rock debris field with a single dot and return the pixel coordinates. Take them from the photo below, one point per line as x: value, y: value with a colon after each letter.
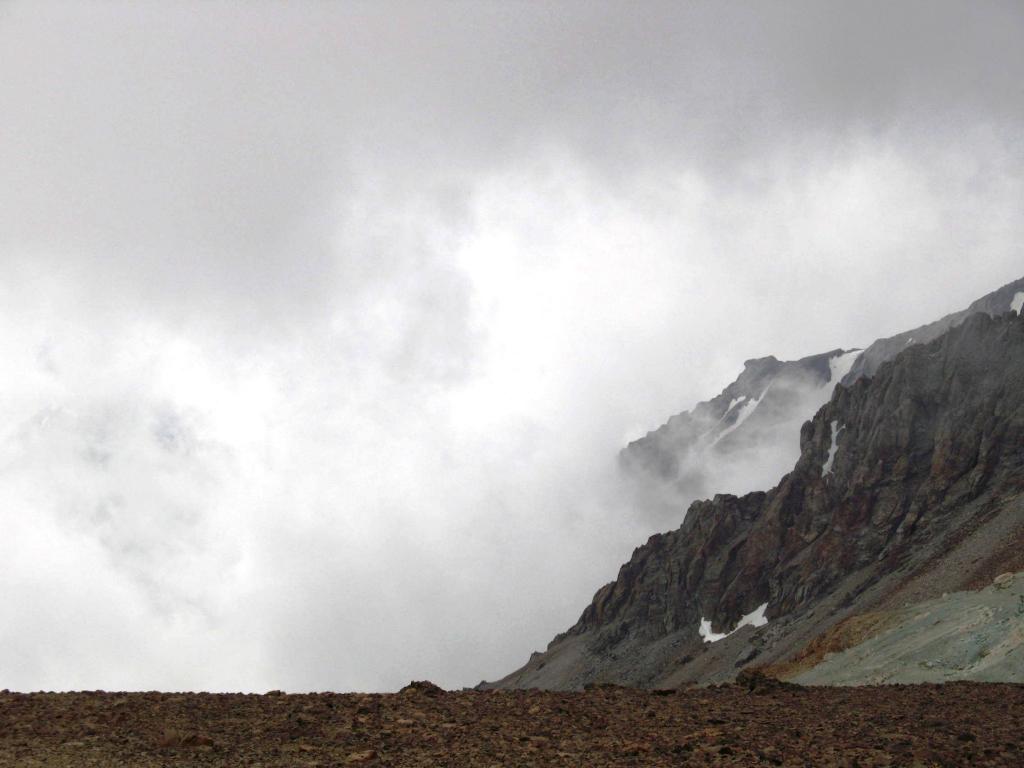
x: 756, y: 722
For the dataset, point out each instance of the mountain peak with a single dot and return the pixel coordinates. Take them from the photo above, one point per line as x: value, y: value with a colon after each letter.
x: 906, y: 485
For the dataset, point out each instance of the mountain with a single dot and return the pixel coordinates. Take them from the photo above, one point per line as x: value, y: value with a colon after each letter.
x: 744, y: 438
x: 909, y: 485
x: 1009, y: 298
x: 747, y: 437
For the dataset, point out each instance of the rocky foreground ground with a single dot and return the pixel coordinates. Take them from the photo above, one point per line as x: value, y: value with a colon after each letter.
x: 757, y: 722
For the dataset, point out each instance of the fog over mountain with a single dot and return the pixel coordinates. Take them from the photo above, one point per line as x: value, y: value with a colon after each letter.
x: 323, y: 324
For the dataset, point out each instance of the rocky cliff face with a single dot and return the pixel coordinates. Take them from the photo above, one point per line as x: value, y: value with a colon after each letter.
x: 908, y: 484
x: 1009, y: 298
x: 747, y: 436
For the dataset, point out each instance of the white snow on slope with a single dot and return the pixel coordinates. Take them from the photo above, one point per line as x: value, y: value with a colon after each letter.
x: 826, y: 468
x: 1018, y: 302
x: 735, y: 401
x: 705, y: 632
x: 755, y: 618
x: 742, y: 415
x: 722, y: 418
x: 840, y: 365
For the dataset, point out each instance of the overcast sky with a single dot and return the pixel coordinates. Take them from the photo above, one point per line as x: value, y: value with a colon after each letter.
x: 321, y: 324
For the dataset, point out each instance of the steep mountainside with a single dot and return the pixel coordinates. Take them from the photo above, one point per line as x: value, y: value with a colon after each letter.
x: 742, y: 439
x: 747, y: 436
x: 971, y: 635
x: 1009, y: 298
x: 909, y: 484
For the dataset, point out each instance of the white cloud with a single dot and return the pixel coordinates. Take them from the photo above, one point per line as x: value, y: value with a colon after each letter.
x: 315, y: 371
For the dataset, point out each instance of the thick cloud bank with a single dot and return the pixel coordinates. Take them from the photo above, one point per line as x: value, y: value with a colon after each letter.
x: 322, y: 325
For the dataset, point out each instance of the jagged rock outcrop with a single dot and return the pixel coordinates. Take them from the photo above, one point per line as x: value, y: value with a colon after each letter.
x: 1009, y: 298
x: 742, y: 438
x: 908, y: 484
x: 714, y: 424
x: 747, y: 436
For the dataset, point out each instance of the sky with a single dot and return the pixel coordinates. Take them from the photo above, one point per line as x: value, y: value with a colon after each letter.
x: 323, y: 323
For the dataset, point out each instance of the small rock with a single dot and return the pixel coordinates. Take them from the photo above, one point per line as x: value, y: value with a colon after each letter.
x: 424, y: 687
x: 197, y: 740
x: 1003, y: 580
x: 171, y: 737
x: 756, y: 681
x: 361, y: 757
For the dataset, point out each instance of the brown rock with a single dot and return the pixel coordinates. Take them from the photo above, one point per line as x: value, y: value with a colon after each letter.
x: 171, y: 737
x: 364, y: 756
x: 423, y: 687
x: 758, y: 681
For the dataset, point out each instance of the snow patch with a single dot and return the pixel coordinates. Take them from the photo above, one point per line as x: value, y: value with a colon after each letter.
x: 722, y: 418
x: 826, y: 468
x: 742, y: 414
x: 705, y: 632
x: 1018, y: 302
x: 838, y: 366
x: 841, y: 364
x: 755, y: 618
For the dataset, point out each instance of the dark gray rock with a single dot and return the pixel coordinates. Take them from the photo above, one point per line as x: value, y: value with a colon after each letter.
x: 744, y: 438
x: 748, y: 436
x: 881, y: 350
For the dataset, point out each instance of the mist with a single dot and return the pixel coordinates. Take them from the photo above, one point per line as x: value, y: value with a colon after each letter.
x: 323, y: 324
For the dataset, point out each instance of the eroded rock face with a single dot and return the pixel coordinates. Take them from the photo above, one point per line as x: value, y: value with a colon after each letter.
x: 746, y: 437
x: 882, y: 350
x: 925, y: 451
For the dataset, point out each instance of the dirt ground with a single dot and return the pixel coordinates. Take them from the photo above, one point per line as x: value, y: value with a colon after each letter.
x: 760, y: 722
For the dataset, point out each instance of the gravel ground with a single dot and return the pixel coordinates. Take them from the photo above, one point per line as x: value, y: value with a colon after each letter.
x: 761, y: 722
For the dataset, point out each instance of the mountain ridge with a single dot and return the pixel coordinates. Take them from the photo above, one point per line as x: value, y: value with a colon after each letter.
x: 890, y: 463
x: 689, y: 458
